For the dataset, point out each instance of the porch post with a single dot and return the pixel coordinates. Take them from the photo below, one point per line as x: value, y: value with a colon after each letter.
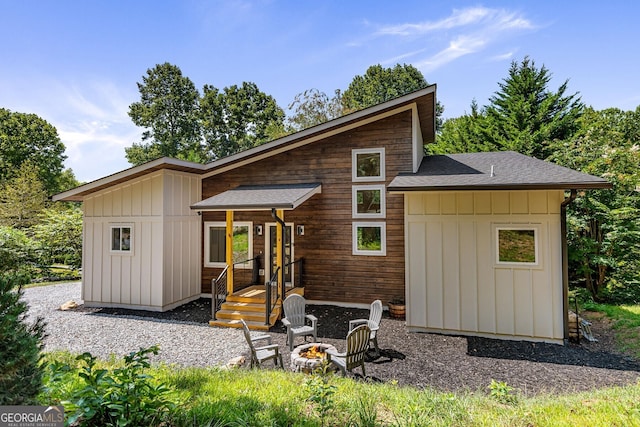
x: 280, y: 250
x: 229, y: 251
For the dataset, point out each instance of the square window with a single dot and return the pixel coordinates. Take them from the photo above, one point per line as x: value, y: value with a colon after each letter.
x: 369, y: 238
x: 215, y: 244
x: 368, y: 201
x: 368, y: 164
x: 517, y: 245
x: 121, y: 238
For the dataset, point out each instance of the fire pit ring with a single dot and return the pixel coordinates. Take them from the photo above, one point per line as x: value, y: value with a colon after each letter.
x: 301, y: 363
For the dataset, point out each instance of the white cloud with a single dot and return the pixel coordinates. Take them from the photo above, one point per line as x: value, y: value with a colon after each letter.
x: 466, y: 31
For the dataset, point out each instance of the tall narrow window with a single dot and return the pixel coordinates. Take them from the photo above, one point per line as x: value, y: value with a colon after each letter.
x: 121, y: 238
x: 215, y: 244
x: 368, y: 164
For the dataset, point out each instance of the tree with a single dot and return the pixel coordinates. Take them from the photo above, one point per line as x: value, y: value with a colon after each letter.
x: 168, y: 109
x: 380, y: 84
x: 22, y: 198
x: 524, y: 116
x: 313, y: 107
x: 462, y: 134
x: 29, y: 138
x: 604, y: 225
x: 22, y: 343
x: 59, y: 235
x: 236, y: 119
x: 17, y: 250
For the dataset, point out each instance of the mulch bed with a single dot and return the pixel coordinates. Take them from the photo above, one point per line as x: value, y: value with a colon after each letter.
x: 457, y: 363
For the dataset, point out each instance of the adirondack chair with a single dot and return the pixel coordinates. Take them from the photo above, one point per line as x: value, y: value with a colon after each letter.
x: 373, y: 322
x: 266, y: 352
x: 295, y: 319
x: 357, y: 346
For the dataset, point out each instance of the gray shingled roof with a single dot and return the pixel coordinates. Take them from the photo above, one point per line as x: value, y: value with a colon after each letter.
x: 260, y: 197
x: 511, y: 170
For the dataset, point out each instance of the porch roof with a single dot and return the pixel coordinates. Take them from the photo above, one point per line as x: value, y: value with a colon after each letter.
x: 503, y: 170
x: 260, y: 197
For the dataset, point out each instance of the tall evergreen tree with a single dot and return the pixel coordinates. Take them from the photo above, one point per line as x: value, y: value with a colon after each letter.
x: 525, y: 116
x: 22, y: 342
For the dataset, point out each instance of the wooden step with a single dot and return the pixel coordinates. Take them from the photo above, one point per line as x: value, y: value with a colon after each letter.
x: 235, y: 323
x: 242, y: 306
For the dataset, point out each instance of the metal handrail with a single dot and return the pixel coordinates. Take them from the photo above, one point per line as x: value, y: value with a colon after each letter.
x: 271, y: 297
x: 218, y: 292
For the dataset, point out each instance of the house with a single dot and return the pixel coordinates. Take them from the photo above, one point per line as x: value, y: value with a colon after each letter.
x: 352, y: 210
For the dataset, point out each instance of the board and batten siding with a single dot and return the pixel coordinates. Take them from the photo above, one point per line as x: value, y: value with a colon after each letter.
x: 163, y: 269
x: 454, y: 283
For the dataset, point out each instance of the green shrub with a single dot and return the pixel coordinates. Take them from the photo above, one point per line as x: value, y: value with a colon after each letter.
x: 123, y: 396
x: 17, y: 250
x: 20, y: 345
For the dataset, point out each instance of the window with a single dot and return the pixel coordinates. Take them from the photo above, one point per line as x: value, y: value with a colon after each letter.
x: 517, y: 245
x: 215, y: 244
x: 369, y: 238
x: 121, y: 238
x: 368, y: 201
x: 368, y: 164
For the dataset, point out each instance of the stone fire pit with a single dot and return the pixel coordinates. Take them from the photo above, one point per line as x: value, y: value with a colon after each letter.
x: 307, y: 357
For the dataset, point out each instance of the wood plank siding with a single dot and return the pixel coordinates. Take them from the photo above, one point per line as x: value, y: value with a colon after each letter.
x: 331, y: 271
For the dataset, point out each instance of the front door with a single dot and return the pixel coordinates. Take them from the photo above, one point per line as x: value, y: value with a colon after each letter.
x: 272, y: 251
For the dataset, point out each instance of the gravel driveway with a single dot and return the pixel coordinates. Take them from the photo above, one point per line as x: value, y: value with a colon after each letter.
x: 449, y: 363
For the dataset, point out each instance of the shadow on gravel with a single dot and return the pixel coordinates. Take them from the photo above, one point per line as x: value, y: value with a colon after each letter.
x: 570, y: 354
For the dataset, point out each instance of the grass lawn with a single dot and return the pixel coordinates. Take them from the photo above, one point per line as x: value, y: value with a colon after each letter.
x: 269, y: 397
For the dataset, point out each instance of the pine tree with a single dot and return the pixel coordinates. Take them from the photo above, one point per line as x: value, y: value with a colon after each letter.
x: 20, y: 345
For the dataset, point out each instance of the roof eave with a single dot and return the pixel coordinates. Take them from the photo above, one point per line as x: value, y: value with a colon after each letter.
x: 503, y: 187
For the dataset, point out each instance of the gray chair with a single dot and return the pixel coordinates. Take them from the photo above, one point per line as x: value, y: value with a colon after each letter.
x: 373, y: 322
x: 298, y: 323
x: 357, y: 346
x: 266, y: 352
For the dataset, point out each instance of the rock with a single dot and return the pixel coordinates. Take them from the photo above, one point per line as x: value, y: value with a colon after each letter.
x: 236, y: 362
x: 69, y: 305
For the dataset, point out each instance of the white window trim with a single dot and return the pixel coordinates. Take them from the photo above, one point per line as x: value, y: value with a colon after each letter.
x: 354, y: 201
x: 383, y: 238
x: 223, y: 224
x: 524, y: 227
x: 131, y: 238
x: 354, y: 164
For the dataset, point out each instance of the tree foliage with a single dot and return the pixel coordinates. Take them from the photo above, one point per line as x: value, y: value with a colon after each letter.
x: 29, y: 138
x: 18, y: 252
x: 180, y: 123
x: 237, y: 118
x: 168, y: 110
x: 59, y: 235
x: 523, y: 116
x: 379, y: 84
x: 22, y: 198
x: 313, y: 107
x: 604, y: 232
x: 22, y: 342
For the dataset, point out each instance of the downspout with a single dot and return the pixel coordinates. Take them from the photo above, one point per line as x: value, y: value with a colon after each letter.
x: 282, y: 247
x: 565, y: 261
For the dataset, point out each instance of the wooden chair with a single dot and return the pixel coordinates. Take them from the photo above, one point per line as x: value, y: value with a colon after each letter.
x: 373, y: 322
x: 295, y: 319
x: 357, y: 346
x: 266, y: 352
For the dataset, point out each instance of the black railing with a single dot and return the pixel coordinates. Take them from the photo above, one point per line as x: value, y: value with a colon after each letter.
x: 218, y: 292
x: 245, y: 276
x: 271, y: 295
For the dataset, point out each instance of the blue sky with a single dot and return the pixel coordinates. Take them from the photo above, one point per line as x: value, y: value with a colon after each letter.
x: 76, y: 63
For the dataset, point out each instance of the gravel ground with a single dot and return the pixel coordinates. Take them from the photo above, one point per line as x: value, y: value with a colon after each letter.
x: 448, y: 363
